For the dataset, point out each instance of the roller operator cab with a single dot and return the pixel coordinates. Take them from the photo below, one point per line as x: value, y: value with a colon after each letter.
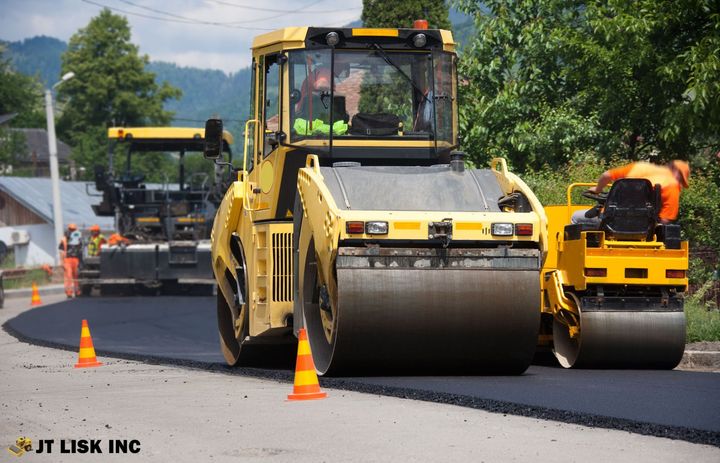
x: 614, y: 280
x: 355, y: 216
x: 163, y: 196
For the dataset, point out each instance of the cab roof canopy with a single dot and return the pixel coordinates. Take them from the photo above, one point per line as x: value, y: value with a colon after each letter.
x: 164, y: 138
x: 316, y: 37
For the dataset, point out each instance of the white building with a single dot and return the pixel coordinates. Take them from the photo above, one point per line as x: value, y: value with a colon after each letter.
x: 26, y: 219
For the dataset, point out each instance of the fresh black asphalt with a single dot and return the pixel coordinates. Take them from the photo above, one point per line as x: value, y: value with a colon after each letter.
x: 182, y: 330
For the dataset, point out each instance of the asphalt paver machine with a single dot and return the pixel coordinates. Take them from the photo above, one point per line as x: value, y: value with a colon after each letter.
x: 164, y: 227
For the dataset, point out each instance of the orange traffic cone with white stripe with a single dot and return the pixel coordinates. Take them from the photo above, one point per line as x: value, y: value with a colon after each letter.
x: 35, y: 299
x: 86, y: 356
x: 306, y: 385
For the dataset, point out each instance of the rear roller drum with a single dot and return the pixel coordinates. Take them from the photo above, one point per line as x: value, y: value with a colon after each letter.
x: 622, y: 339
x: 318, y: 311
x: 422, y: 321
x: 233, y: 327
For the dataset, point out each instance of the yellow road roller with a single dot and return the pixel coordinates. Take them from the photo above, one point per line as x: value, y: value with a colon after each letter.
x: 355, y: 216
x: 613, y: 282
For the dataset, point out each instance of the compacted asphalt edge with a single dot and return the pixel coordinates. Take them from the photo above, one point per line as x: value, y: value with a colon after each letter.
x: 490, y: 405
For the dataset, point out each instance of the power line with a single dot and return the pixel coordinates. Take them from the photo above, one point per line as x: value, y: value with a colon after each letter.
x: 127, y: 2
x: 342, y: 23
x: 171, y: 17
x: 181, y: 21
x: 281, y: 14
x: 300, y: 10
x: 275, y: 16
x: 228, y: 23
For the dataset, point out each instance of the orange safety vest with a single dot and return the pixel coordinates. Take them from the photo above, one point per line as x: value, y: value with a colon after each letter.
x: 669, y: 186
x: 117, y: 239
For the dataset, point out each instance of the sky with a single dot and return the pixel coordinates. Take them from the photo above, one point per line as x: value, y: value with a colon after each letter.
x: 214, y: 34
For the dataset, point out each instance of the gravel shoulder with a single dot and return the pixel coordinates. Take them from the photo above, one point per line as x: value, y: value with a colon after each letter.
x: 188, y: 415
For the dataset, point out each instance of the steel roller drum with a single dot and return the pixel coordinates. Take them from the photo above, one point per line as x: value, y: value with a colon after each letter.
x: 623, y: 339
x: 459, y: 318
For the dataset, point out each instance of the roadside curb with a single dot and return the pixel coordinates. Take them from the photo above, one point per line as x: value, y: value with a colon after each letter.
x: 27, y: 292
x: 700, y: 360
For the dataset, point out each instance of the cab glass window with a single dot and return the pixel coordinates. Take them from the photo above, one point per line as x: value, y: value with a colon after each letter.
x: 250, y: 137
x: 310, y: 94
x: 369, y: 94
x: 271, y: 116
x: 444, y: 97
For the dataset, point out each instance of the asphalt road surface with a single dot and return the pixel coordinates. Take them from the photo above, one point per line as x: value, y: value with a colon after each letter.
x: 182, y: 330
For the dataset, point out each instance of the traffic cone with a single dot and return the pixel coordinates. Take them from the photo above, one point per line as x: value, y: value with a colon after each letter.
x: 306, y: 385
x: 35, y: 300
x: 86, y: 356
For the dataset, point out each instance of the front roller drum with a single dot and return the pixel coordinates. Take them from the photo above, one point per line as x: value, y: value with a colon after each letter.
x: 424, y: 311
x: 647, y: 338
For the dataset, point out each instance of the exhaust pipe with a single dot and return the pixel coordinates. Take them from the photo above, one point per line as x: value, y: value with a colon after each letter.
x: 457, y: 161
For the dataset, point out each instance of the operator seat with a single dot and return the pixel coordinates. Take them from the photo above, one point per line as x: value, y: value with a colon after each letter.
x: 631, y: 210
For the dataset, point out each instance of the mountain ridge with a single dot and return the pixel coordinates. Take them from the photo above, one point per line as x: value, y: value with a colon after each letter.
x: 206, y: 92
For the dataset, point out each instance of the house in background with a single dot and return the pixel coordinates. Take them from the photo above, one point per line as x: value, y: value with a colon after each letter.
x: 26, y: 217
x: 35, y: 157
x: 31, y: 157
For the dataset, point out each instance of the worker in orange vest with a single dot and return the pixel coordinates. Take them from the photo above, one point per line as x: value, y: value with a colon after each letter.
x: 71, y: 250
x: 96, y: 241
x: 672, y: 178
x: 118, y: 240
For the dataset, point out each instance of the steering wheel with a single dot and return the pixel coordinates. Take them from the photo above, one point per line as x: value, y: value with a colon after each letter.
x: 599, y: 197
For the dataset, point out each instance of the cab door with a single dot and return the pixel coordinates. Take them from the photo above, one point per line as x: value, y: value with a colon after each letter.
x: 269, y: 129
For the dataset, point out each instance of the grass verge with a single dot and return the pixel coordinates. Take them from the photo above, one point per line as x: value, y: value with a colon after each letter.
x: 703, y: 321
x: 39, y: 276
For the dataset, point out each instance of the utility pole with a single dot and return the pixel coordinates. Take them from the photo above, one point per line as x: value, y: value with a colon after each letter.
x: 54, y: 168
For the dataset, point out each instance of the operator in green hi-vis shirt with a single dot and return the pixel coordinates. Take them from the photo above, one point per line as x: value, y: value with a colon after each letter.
x: 315, y: 93
x: 302, y: 127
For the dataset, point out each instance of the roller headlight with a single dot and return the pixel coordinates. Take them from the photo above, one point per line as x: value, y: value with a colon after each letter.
x: 502, y: 229
x: 376, y: 228
x: 420, y: 40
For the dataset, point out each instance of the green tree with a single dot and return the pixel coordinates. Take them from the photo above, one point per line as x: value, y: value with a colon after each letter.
x: 549, y: 80
x: 22, y: 95
x: 111, y: 87
x: 12, y: 145
x: 402, y: 13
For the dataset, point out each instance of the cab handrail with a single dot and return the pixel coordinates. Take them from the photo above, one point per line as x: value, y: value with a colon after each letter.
x: 246, y: 184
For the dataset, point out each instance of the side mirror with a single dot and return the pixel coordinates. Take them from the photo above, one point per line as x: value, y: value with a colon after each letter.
x: 212, y: 148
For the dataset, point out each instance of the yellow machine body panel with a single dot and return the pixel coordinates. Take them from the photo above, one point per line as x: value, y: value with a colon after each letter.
x: 162, y: 133
x: 625, y: 262
x: 327, y: 216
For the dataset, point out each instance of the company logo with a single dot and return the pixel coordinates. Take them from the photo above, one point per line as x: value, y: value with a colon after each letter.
x: 22, y: 445
x: 48, y: 446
